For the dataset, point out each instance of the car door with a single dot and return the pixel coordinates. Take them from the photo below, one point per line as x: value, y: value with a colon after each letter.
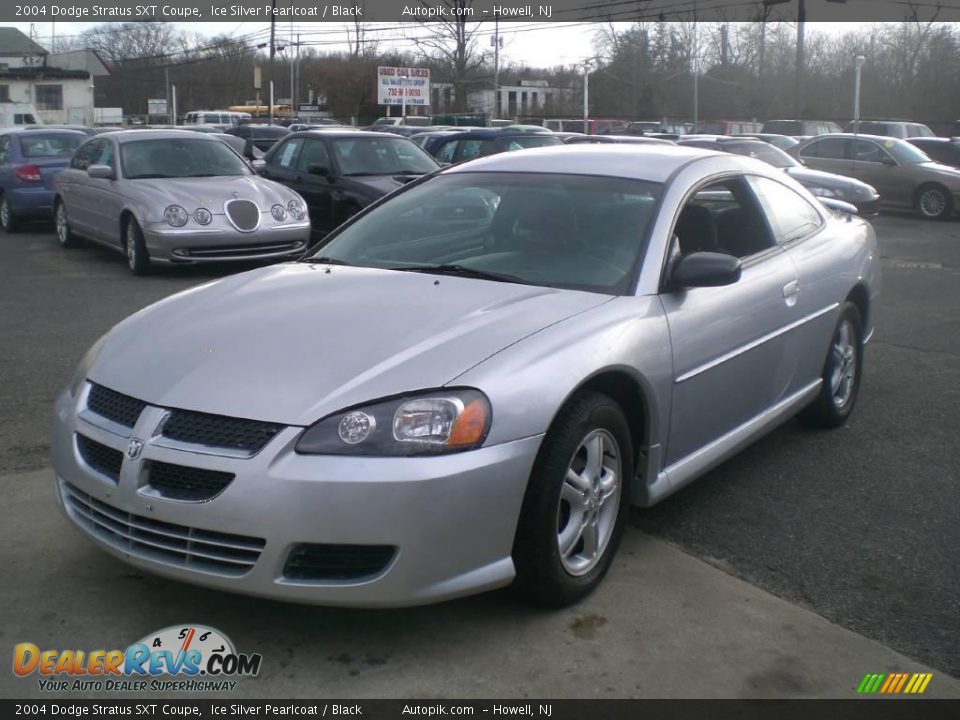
x: 800, y: 229
x: 828, y: 154
x: 75, y: 187
x: 732, y: 347
x: 104, y: 199
x: 319, y: 190
x: 871, y: 163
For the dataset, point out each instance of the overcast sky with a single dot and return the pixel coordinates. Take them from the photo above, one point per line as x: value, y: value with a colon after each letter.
x: 536, y: 44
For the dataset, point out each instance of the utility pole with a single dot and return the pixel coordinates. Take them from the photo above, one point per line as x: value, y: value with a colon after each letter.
x: 696, y: 70
x: 273, y: 51
x: 496, y: 67
x: 798, y: 82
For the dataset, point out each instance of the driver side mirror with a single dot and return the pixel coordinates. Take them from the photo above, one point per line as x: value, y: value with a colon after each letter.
x: 248, y: 149
x: 317, y: 169
x: 258, y: 165
x: 103, y: 172
x: 705, y: 269
x: 889, y: 161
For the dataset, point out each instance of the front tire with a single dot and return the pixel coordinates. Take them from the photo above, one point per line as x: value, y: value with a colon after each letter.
x: 576, y: 502
x: 65, y: 236
x: 135, y: 248
x: 8, y: 221
x: 841, y: 373
x: 934, y: 202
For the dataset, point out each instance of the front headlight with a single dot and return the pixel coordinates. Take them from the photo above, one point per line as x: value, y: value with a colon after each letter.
x: 279, y: 213
x: 202, y: 216
x: 175, y: 216
x: 83, y: 369
x: 432, y: 423
x: 295, y: 208
x: 825, y: 192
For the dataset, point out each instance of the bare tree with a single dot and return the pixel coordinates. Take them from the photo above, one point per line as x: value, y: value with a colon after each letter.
x: 451, y: 45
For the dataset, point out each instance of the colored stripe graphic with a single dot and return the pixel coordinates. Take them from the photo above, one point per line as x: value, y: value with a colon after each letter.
x: 894, y: 683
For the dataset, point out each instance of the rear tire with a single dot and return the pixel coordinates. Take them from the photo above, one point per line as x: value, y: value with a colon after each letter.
x: 576, y: 503
x: 8, y: 221
x: 135, y: 248
x: 934, y: 202
x: 842, y: 371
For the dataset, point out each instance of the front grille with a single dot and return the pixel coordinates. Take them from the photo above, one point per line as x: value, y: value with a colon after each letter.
x: 178, y: 545
x: 309, y: 561
x: 110, y: 404
x: 218, y: 431
x: 101, y: 458
x: 244, y: 214
x: 244, y: 251
x: 179, y: 482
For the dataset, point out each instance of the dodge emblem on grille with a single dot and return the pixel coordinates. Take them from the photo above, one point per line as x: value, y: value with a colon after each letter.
x: 134, y: 448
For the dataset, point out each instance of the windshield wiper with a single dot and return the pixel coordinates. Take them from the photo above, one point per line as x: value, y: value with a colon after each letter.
x: 363, y: 174
x: 462, y: 271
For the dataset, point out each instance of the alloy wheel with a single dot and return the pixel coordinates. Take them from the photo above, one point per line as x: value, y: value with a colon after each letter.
x: 4, y: 213
x: 844, y: 364
x: 933, y: 203
x: 131, y: 246
x: 61, y: 221
x: 589, y: 502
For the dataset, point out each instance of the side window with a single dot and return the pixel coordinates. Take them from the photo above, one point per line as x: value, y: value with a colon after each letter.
x: 447, y: 152
x: 286, y: 154
x: 723, y: 217
x: 313, y: 152
x: 867, y: 151
x: 828, y: 148
x: 85, y: 154
x: 470, y: 149
x: 790, y: 215
x: 105, y: 157
x: 4, y: 148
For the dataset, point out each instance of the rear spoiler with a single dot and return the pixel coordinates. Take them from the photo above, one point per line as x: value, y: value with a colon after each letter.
x: 838, y: 205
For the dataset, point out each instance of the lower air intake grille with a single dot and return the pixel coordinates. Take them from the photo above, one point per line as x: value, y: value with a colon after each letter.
x: 178, y: 545
x: 122, y: 409
x: 218, y: 431
x: 179, y: 482
x: 101, y: 458
x: 337, y: 562
x: 244, y: 215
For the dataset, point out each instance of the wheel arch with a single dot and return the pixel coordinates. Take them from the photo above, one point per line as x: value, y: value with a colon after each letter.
x: 861, y: 298
x: 635, y: 396
x: 125, y: 216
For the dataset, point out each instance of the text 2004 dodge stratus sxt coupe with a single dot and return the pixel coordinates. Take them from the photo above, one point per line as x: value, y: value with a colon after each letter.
x: 470, y: 382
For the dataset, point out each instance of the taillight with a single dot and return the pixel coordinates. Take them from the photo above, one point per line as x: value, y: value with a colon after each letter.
x: 28, y: 173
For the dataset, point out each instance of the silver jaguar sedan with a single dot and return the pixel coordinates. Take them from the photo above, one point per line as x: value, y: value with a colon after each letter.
x: 471, y: 381
x: 175, y: 196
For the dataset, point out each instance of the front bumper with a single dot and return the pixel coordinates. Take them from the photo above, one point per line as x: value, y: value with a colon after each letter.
x: 452, y: 518
x: 220, y: 242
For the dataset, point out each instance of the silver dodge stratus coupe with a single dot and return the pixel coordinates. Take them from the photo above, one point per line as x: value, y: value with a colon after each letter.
x: 175, y: 196
x: 469, y: 383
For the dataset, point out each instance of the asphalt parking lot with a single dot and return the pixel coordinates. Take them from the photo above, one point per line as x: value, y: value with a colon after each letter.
x: 857, y: 526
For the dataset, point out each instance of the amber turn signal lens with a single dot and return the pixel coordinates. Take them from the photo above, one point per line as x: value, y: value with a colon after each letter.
x: 468, y: 429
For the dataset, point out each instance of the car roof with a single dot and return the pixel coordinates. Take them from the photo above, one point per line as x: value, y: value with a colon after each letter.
x: 340, y: 134
x: 859, y: 136
x: 33, y: 131
x: 125, y: 136
x: 651, y: 162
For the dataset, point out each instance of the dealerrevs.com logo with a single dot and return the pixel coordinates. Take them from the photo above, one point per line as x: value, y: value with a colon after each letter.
x: 198, y: 658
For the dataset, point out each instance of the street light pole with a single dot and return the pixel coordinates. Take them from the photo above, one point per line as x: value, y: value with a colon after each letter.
x: 403, y: 97
x: 586, y: 97
x: 798, y: 82
x: 858, y: 65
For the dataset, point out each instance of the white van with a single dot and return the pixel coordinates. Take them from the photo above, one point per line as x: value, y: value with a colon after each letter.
x: 15, y: 114
x: 215, y: 117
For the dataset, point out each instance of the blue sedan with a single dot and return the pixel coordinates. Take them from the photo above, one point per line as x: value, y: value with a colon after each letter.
x: 29, y: 160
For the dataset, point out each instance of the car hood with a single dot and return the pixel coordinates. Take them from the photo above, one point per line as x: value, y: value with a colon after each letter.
x: 211, y: 193
x: 381, y: 184
x: 854, y: 188
x: 292, y: 343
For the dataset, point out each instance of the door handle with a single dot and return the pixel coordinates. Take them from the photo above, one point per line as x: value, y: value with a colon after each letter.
x: 791, y: 291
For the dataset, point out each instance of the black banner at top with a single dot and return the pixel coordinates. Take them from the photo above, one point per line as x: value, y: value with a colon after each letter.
x: 600, y: 11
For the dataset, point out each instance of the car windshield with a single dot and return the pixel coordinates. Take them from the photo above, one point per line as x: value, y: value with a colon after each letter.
x: 762, y: 151
x: 904, y: 152
x: 566, y: 231
x: 532, y: 140
x: 180, y: 158
x: 381, y: 156
x: 50, y: 144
